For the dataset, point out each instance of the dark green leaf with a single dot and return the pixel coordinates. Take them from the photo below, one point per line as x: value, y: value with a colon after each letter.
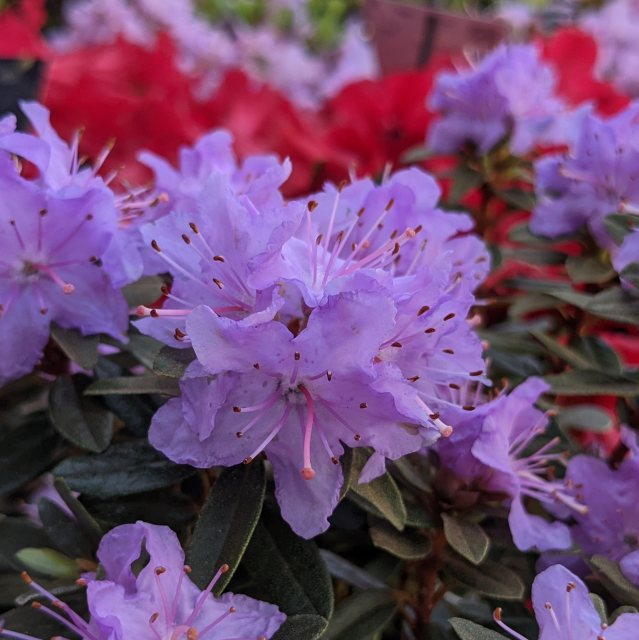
x: 287, y: 570
x: 345, y: 570
x: 569, y: 355
x: 586, y: 382
x: 79, y: 348
x: 619, y: 225
x: 600, y: 606
x: 611, y: 577
x: 161, y: 385
x: 24, y: 453
x: 620, y: 611
x: 64, y: 531
x: 588, y: 269
x: 598, y: 354
x: 15, y: 534
x: 308, y: 627
x: 123, y: 469
x: 407, y: 545
x: 226, y: 523
x: 521, y: 200
x: 47, y: 562
x: 362, y: 615
x: 87, y: 524
x: 380, y: 497
x: 467, y: 538
x: 630, y: 274
x: 468, y: 630
x: 584, y: 417
x: 492, y: 579
x: 145, y: 291
x: 463, y: 180
x: 144, y: 348
x: 173, y: 362
x: 82, y: 421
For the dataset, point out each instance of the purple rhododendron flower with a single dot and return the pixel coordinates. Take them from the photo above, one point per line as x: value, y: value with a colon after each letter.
x: 564, y: 610
x: 510, y: 92
x: 598, y: 177
x: 340, y: 322
x: 297, y: 397
x: 210, y: 249
x: 610, y: 527
x: 159, y: 602
x: 490, y: 449
x: 51, y: 270
x: 258, y: 177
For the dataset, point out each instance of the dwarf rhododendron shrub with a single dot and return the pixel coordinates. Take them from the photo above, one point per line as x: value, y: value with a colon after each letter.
x: 291, y: 352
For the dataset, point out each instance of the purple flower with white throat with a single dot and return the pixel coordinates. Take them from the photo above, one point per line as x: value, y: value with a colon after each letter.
x: 610, y: 527
x: 158, y: 602
x: 510, y: 92
x: 298, y: 398
x: 598, y: 177
x: 211, y: 249
x: 51, y: 270
x: 564, y: 611
x: 505, y: 459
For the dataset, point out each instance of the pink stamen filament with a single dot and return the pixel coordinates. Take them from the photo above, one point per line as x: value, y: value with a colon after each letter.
x: 274, y: 431
x: 380, y: 252
x: 205, y: 594
x: 217, y: 621
x: 505, y: 627
x: 443, y: 428
x: 308, y: 472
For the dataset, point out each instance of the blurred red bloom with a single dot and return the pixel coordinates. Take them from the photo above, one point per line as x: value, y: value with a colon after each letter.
x: 374, y: 122
x: 121, y: 91
x: 20, y: 28
x: 573, y: 54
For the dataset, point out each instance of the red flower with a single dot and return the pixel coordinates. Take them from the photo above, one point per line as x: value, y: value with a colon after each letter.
x: 573, y: 54
x: 20, y: 30
x: 262, y: 121
x: 374, y: 122
x: 121, y: 91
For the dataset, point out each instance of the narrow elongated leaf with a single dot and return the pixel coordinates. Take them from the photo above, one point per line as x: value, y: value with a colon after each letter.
x: 144, y: 348
x: 85, y: 521
x: 586, y: 382
x: 585, y: 417
x: 161, y: 385
x: 145, y: 291
x: 64, y: 531
x: 588, y: 269
x: 467, y: 538
x: 362, y: 615
x: 287, y: 570
x: 381, y: 497
x: 81, y: 349
x: 173, y: 362
x: 612, y: 578
x: 24, y: 453
x: 82, y: 421
x: 345, y: 570
x: 226, y: 524
x: 309, y: 627
x: 491, y: 578
x: 48, y: 562
x: 467, y: 630
x: 407, y: 545
x: 123, y: 469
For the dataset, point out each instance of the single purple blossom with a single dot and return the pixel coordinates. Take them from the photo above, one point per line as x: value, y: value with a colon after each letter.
x: 610, y: 527
x: 160, y: 601
x: 564, y: 611
x: 598, y: 177
x: 298, y: 398
x: 51, y: 270
x: 510, y: 92
x: 211, y: 249
x: 503, y: 441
